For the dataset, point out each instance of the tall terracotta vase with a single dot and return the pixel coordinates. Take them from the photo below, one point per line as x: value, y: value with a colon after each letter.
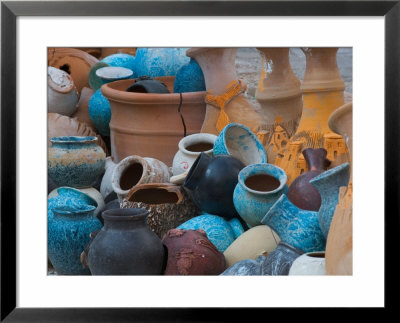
x: 225, y: 98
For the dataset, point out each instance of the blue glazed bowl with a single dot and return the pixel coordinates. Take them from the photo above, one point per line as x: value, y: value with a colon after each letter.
x: 189, y: 78
x: 121, y: 60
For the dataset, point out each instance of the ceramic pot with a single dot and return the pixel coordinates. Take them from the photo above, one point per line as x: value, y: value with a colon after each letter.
x: 94, y: 80
x: 211, y: 182
x: 94, y: 51
x: 311, y: 263
x: 106, y: 182
x: 218, y: 66
x: 253, y: 243
x: 135, y: 170
x: 191, y: 253
x: 68, y: 233
x: 276, y: 263
x: 125, y: 245
x: 168, y: 205
x: 259, y: 187
x: 301, y: 193
x: 134, y: 116
x: 189, y: 78
x: 62, y: 95
x: 296, y: 227
x: 146, y: 84
x: 190, y: 148
x: 75, y: 62
x: 111, y: 205
x: 240, y: 142
x: 82, y: 107
x: 107, y: 51
x: 220, y: 232
x: 328, y: 184
x: 125, y: 60
x: 75, y: 161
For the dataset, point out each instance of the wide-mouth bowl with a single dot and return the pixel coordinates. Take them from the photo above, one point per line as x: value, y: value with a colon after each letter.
x: 73, y: 139
x: 110, y: 73
x: 125, y: 214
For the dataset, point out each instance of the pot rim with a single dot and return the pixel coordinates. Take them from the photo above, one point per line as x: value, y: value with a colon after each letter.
x: 126, y: 73
x: 56, y: 87
x: 337, y: 114
x: 207, y: 138
x: 168, y: 187
x: 73, y: 139
x: 79, y: 192
x: 125, y: 214
x: 66, y: 210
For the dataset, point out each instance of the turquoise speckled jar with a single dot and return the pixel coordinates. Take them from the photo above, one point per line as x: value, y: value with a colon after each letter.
x: 189, y: 78
x: 75, y: 161
x: 121, y: 60
x: 258, y: 188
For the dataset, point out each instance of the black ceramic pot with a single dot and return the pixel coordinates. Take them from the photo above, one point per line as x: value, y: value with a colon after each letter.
x: 210, y: 184
x: 114, y: 204
x: 126, y: 246
x: 146, y: 84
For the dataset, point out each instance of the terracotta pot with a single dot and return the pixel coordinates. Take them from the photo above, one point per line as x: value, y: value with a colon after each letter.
x: 107, y: 51
x: 82, y: 111
x: 311, y: 263
x: 75, y: 62
x: 218, y: 66
x: 136, y: 170
x: 62, y: 95
x: 95, y: 51
x: 151, y: 124
x: 168, y: 205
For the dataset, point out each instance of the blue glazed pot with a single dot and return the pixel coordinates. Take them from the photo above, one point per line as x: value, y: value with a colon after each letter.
x: 110, y: 74
x: 95, y: 81
x: 189, y: 78
x: 155, y: 62
x: 240, y: 142
x: 220, y: 232
x: 258, y: 188
x: 121, y: 60
x: 328, y: 184
x: 294, y: 226
x: 68, y: 234
x: 75, y: 161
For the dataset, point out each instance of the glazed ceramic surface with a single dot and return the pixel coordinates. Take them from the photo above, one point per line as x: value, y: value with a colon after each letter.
x: 100, y: 112
x: 121, y: 60
x: 94, y: 80
x: 113, y: 73
x: 106, y: 185
x: 189, y: 78
x: 311, y: 263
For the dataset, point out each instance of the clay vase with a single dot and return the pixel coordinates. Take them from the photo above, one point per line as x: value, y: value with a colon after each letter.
x: 240, y: 142
x: 301, y: 193
x: 189, y: 78
x: 107, y: 51
x: 82, y: 108
x: 168, y: 205
x: 125, y: 245
x: 210, y: 184
x: 190, y: 148
x: 311, y: 263
x: 68, y: 233
x: 136, y: 126
x: 191, y: 253
x: 75, y: 62
x: 106, y: 181
x: 258, y: 188
x: 136, y: 170
x: 62, y: 95
x: 75, y: 161
x: 111, y: 205
x: 218, y: 66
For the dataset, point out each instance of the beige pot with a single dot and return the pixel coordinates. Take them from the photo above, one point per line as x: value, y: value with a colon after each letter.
x: 82, y: 108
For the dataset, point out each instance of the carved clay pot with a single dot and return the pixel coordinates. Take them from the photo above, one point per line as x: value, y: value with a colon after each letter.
x: 82, y: 108
x: 151, y: 124
x: 311, y: 263
x: 136, y: 170
x: 218, y: 66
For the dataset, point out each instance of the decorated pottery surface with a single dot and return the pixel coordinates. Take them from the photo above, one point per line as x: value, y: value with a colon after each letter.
x: 189, y: 78
x: 121, y: 60
x: 100, y: 112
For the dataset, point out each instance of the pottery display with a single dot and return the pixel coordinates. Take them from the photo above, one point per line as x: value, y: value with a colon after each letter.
x: 240, y: 142
x: 134, y: 116
x: 106, y: 181
x: 253, y: 243
x: 189, y: 78
x: 125, y: 245
x: 190, y: 148
x: 191, y: 253
x: 259, y: 187
x: 220, y: 232
x: 301, y: 193
x: 62, y: 95
x: 169, y: 205
x: 68, y: 234
x: 82, y: 108
x: 225, y: 98
x: 75, y: 161
x: 136, y: 170
x: 311, y: 263
x: 211, y: 182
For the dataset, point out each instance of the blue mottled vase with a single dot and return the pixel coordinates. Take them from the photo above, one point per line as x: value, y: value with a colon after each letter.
x: 68, y: 234
x: 121, y: 60
x: 258, y: 188
x: 219, y: 231
x: 189, y: 78
x: 240, y: 142
x: 294, y: 226
x: 328, y: 184
x: 75, y: 161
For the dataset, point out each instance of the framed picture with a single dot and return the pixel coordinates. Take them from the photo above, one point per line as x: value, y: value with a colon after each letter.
x: 370, y: 29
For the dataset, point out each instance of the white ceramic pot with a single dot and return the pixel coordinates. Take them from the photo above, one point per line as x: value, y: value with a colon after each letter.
x: 311, y: 263
x: 106, y: 186
x: 190, y: 148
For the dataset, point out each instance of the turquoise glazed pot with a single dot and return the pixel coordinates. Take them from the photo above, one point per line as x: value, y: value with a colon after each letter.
x: 220, y: 232
x: 68, y: 234
x: 258, y: 188
x: 95, y: 81
x: 240, y: 142
x: 121, y: 60
x: 75, y: 161
x: 155, y: 62
x: 294, y: 226
x: 189, y: 78
x: 328, y: 184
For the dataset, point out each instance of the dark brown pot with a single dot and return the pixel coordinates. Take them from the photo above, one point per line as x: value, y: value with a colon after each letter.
x: 191, y: 253
x: 301, y: 193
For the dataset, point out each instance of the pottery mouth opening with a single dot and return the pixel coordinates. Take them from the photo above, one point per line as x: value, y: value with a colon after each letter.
x: 316, y: 254
x: 113, y: 73
x: 197, y: 143
x: 262, y: 183
x: 131, y: 176
x: 154, y: 196
x: 73, y: 139
x: 125, y: 214
x: 200, y: 147
x: 81, y: 210
x: 66, y: 68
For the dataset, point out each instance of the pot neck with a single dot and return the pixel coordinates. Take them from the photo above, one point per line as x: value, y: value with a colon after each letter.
x: 125, y: 219
x: 316, y: 159
x: 73, y: 142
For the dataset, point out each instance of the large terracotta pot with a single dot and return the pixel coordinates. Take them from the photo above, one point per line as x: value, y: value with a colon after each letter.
x: 151, y: 125
x: 218, y: 66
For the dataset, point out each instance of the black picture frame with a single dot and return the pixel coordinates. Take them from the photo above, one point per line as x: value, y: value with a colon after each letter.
x: 10, y: 10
